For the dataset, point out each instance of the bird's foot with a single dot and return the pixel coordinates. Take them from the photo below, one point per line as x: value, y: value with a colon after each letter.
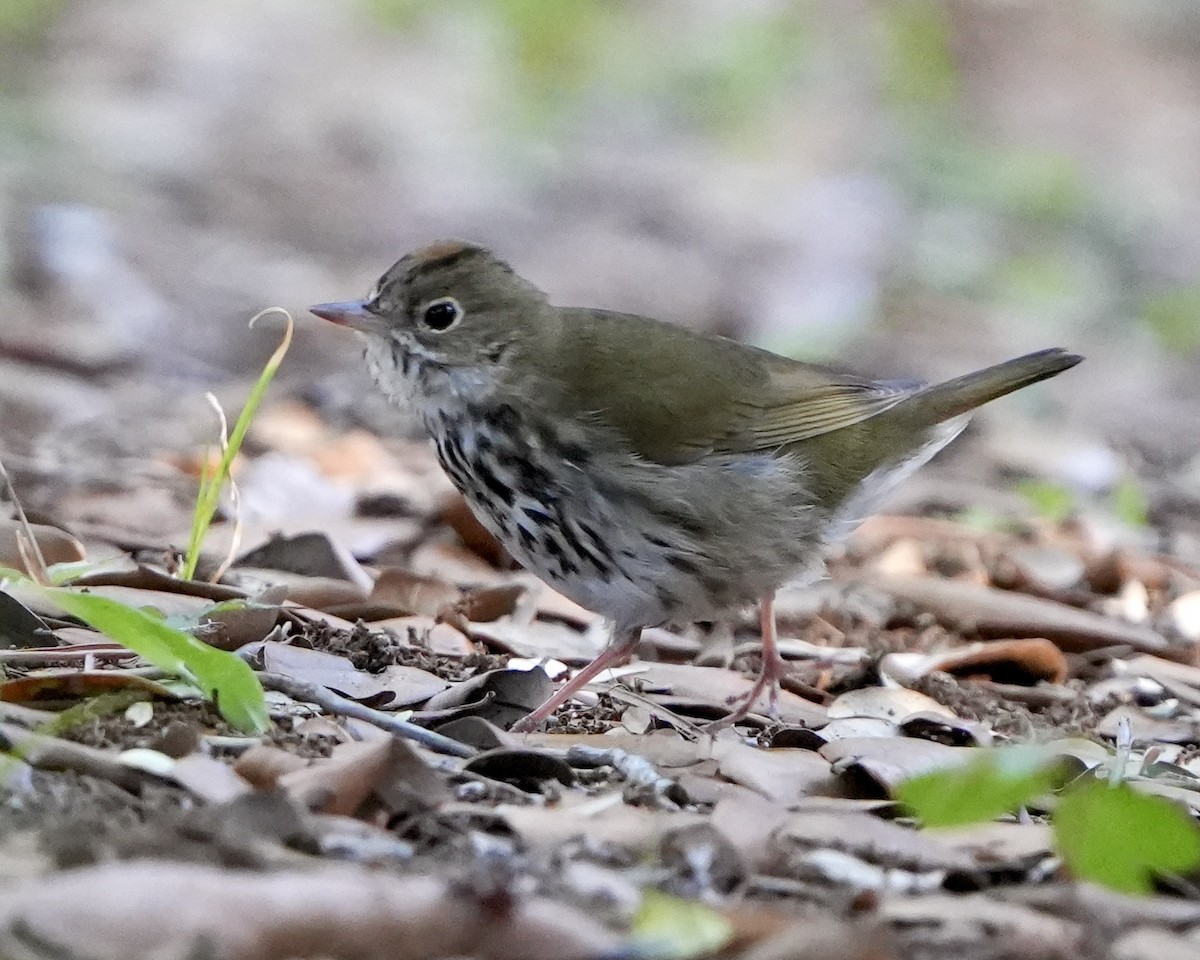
x: 530, y: 722
x: 768, y: 680
x: 611, y: 656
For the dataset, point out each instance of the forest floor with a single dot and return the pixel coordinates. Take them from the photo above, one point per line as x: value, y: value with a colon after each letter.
x: 167, y: 169
x: 938, y: 634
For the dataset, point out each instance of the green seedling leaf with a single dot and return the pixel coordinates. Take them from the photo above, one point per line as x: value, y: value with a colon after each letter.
x: 213, y: 481
x: 1123, y: 839
x: 670, y: 928
x: 1129, y: 502
x: 1051, y: 500
x: 998, y: 782
x: 226, y: 679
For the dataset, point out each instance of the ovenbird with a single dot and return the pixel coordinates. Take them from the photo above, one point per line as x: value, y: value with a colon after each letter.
x: 650, y: 473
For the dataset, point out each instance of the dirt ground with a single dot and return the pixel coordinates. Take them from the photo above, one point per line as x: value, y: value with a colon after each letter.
x: 916, y: 190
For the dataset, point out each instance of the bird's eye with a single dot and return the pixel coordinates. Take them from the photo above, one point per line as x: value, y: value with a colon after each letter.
x: 442, y: 314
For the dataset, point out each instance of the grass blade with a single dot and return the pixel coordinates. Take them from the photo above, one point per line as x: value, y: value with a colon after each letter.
x: 213, y: 481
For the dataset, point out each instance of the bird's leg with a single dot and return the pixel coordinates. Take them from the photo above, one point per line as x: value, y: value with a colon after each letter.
x: 617, y: 652
x: 773, y: 671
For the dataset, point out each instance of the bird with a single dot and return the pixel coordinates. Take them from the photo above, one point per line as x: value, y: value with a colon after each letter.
x: 651, y: 473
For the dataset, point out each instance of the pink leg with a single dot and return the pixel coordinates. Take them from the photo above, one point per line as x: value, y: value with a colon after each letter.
x: 617, y: 652
x: 769, y: 676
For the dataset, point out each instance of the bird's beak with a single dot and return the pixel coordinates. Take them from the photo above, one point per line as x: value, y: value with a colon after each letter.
x: 350, y: 313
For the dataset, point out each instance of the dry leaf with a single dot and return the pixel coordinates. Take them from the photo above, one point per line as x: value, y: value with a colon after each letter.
x: 501, y: 697
x: 1027, y: 662
x: 327, y: 911
x: 885, y: 762
x: 990, y: 612
x: 311, y: 554
x: 409, y: 594
x: 425, y: 632
x: 342, y: 782
x: 320, y: 593
x: 396, y: 686
x: 748, y: 820
x: 1154, y: 943
x: 785, y: 776
x: 542, y: 638
x: 56, y: 546
x: 1000, y: 846
x: 602, y: 820
x: 455, y: 564
x: 871, y: 839
x: 884, y: 703
x: 947, y: 922
x: 56, y: 686
x: 264, y: 764
x: 212, y: 780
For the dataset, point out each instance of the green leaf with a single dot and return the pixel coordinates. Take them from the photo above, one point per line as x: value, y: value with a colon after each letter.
x: 998, y: 782
x: 670, y: 928
x: 1129, y: 502
x: 1122, y: 839
x: 1051, y: 500
x: 223, y: 677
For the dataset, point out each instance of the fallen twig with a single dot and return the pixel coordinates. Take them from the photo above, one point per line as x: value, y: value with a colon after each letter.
x: 41, y: 656
x: 344, y: 706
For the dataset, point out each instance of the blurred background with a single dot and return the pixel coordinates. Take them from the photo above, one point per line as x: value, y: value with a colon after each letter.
x: 900, y: 187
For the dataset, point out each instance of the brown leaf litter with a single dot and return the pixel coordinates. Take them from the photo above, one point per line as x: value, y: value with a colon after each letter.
x: 389, y: 813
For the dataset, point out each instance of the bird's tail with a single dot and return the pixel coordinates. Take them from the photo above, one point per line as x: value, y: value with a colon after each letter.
x: 944, y: 401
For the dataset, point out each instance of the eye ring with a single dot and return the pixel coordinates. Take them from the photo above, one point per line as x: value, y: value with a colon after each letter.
x: 441, y: 314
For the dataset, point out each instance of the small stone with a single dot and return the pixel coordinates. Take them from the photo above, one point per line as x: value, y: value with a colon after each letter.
x: 1184, y: 615
x: 1048, y: 569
